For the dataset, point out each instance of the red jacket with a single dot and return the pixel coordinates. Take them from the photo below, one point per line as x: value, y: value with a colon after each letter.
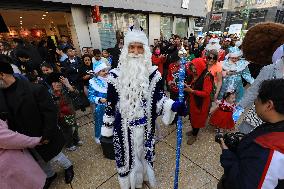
x: 159, y: 61
x: 198, y: 116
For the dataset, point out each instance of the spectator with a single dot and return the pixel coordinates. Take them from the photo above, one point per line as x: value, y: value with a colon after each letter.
x: 71, y: 66
x: 215, y: 68
x: 195, y: 50
x: 3, y: 49
x: 43, y: 51
x: 62, y: 93
x: 199, y: 90
x: 31, y: 50
x: 189, y: 56
x: 192, y: 38
x: 18, y: 169
x: 65, y: 43
x: 107, y: 56
x: 36, y: 117
x: 159, y: 60
x: 186, y: 42
x: 90, y: 51
x: 258, y: 161
x: 51, y: 49
x: 24, y: 62
x: 85, y: 50
x: 62, y: 55
x: 85, y: 71
x: 156, y: 42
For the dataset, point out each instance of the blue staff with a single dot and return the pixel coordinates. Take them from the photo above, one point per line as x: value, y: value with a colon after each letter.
x: 182, y: 54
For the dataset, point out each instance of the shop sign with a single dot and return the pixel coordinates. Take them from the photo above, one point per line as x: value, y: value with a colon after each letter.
x: 216, y: 17
x: 185, y: 4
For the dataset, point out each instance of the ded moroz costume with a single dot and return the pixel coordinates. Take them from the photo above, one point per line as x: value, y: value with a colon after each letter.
x: 135, y: 99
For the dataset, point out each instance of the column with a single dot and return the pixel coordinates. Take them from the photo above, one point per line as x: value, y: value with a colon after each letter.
x: 154, y: 27
x: 80, y: 15
x: 191, y: 26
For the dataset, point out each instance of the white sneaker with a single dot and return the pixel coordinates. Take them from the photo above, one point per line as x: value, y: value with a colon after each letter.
x: 72, y: 148
x: 97, y: 140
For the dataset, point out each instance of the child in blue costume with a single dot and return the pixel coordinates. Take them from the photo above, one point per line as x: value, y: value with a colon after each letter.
x: 97, y: 96
x: 234, y: 69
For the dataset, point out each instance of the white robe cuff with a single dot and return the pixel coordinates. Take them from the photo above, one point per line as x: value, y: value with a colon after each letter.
x: 168, y: 114
x: 107, y: 131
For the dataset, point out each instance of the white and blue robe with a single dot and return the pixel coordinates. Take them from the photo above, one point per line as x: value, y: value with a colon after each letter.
x: 134, y: 141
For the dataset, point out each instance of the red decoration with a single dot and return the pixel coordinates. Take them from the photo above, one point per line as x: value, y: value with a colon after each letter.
x: 96, y: 15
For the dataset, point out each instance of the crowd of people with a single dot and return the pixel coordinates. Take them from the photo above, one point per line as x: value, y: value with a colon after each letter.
x: 43, y: 85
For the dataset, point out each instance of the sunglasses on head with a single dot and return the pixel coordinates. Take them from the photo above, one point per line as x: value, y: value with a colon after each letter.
x: 212, y: 58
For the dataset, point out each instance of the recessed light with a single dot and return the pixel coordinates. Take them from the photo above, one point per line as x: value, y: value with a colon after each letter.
x: 21, y: 17
x: 42, y: 18
x: 46, y: 12
x: 21, y: 23
x: 44, y: 15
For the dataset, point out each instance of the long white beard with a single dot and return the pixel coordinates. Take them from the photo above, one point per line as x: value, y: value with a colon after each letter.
x: 216, y: 46
x: 133, y: 84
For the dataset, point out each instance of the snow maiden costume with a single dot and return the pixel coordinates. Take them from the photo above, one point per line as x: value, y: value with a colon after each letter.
x: 233, y: 74
x: 267, y: 40
x: 98, y: 90
x: 130, y: 121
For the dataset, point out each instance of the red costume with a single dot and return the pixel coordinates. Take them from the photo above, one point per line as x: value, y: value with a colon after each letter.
x: 222, y: 117
x: 199, y: 114
x: 159, y: 61
x: 173, y: 75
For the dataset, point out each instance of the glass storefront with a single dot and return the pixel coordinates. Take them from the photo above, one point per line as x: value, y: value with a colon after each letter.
x: 181, y: 27
x: 113, y: 22
x: 166, y: 27
x: 35, y: 25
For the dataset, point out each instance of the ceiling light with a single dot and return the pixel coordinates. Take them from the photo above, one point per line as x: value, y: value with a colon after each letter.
x: 46, y: 12
x: 21, y: 17
x: 21, y: 23
x: 42, y: 18
x: 43, y: 15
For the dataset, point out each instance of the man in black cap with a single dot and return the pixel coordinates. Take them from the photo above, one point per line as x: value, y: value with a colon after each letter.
x: 29, y: 110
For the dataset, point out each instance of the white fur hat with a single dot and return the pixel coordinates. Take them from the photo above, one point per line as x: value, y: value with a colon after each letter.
x: 99, y: 66
x: 135, y: 34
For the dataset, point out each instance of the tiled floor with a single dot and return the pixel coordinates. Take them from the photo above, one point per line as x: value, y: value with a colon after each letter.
x: 199, y: 166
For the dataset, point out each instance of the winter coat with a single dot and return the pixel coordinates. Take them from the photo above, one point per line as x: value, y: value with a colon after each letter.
x: 199, y: 115
x: 258, y: 162
x: 159, y: 61
x: 18, y: 169
x: 31, y: 112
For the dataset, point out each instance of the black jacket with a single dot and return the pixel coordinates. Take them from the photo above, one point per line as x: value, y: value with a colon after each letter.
x: 258, y: 161
x: 31, y: 112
